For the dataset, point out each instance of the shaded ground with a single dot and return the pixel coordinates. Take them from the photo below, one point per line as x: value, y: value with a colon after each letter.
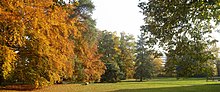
x: 155, y: 85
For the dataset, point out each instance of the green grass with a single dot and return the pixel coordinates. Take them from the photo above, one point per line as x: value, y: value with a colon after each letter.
x: 155, y: 85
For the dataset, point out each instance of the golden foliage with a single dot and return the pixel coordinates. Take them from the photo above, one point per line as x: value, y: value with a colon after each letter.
x: 7, y: 59
x: 157, y: 62
x: 89, y: 60
x: 39, y: 40
x: 38, y: 31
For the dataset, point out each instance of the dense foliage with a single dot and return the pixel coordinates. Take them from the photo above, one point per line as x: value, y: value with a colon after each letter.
x: 117, y: 54
x: 45, y: 41
x: 35, y: 41
x: 127, y: 55
x: 182, y: 28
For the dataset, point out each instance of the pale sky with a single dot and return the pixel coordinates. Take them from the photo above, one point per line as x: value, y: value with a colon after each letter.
x: 118, y: 15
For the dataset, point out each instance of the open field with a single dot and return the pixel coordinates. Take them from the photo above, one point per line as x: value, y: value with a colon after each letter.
x: 155, y: 85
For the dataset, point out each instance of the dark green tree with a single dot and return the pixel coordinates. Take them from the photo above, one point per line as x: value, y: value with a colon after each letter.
x: 144, y: 60
x: 108, y: 47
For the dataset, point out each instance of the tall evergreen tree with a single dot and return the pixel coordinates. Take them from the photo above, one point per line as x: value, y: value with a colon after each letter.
x: 144, y: 60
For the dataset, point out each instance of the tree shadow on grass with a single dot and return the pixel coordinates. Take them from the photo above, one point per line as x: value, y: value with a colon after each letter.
x: 19, y: 87
x: 195, y: 88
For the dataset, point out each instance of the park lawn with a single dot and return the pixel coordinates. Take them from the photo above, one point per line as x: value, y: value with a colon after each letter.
x: 155, y: 85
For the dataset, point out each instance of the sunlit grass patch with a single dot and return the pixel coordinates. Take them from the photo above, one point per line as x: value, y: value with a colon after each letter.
x: 154, y: 85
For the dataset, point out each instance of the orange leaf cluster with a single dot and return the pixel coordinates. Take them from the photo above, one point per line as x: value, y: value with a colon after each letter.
x: 39, y: 40
x: 38, y: 31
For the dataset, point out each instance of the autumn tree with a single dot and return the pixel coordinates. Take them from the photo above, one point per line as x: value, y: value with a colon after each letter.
x: 158, y: 68
x: 46, y: 42
x: 35, y: 41
x: 127, y: 55
x: 87, y: 64
x: 182, y: 28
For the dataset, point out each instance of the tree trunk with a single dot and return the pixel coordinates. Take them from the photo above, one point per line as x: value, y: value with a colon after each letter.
x: 141, y: 79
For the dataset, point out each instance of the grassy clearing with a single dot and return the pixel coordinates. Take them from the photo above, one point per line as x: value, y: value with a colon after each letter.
x: 155, y: 85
